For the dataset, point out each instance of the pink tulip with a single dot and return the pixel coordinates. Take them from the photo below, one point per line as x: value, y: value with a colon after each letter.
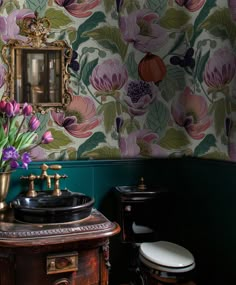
x: 47, y: 138
x: 34, y: 123
x: 27, y: 110
x: 12, y: 108
x: 2, y: 106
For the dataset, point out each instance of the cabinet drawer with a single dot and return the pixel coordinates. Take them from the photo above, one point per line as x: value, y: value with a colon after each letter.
x: 32, y: 269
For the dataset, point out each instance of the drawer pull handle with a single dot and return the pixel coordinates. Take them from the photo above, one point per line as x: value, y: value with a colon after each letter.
x: 62, y: 281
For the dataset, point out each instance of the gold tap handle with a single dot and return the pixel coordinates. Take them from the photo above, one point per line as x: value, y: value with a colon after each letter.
x: 57, y: 177
x: 31, y: 191
x: 55, y: 166
x: 44, y: 167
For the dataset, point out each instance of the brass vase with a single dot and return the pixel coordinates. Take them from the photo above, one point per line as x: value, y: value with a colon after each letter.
x: 4, y: 187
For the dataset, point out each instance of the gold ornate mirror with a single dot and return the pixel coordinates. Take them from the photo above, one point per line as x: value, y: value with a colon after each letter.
x: 37, y: 70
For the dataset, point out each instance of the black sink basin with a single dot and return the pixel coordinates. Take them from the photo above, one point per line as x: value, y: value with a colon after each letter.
x: 45, y: 208
x: 135, y: 192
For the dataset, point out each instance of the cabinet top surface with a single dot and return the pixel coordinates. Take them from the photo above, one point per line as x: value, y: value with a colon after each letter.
x: 16, y: 233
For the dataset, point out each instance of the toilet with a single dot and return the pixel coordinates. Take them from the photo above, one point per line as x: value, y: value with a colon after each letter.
x: 159, y: 261
x: 166, y: 262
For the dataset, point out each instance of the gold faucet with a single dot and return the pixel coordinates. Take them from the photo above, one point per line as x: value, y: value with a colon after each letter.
x: 45, y: 176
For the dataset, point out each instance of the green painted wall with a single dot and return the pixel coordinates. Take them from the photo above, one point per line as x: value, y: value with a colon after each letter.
x: 204, y: 222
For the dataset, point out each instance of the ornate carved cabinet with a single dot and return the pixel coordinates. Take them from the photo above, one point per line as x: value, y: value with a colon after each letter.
x: 75, y: 253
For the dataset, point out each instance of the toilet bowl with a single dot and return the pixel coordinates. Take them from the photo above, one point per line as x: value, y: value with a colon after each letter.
x: 165, y: 261
x: 153, y: 257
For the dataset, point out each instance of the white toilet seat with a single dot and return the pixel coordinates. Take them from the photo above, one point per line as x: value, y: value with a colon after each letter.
x: 166, y: 256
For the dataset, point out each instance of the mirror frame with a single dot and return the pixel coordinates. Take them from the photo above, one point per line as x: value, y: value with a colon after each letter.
x: 37, y: 30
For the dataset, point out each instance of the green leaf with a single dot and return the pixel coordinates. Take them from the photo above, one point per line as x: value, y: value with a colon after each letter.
x: 91, y: 143
x: 88, y: 25
x: 132, y: 66
x: 174, y: 19
x: 24, y: 140
x: 3, y: 138
x: 110, y: 38
x: 109, y: 113
x: 10, y: 6
x: 60, y: 140
x: 174, y: 80
x: 87, y: 71
x: 157, y: 117
x: 57, y: 18
x: 174, y: 139
x: 130, y: 125
x: 220, y: 25
x: 3, y: 142
x: 157, y: 6
x: 203, y: 14
x: 103, y: 153
x: 131, y: 6
x: 204, y: 146
x: 37, y: 5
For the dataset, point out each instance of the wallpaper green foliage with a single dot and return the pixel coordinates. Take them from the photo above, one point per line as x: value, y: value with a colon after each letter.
x: 152, y: 78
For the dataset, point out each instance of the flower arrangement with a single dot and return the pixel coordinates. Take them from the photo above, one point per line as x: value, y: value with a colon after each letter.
x: 18, y: 138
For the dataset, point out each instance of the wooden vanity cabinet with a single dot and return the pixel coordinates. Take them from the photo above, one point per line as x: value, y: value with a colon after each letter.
x: 59, y: 254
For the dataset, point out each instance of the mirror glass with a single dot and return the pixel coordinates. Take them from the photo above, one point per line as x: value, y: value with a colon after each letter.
x: 38, y: 70
x: 38, y: 76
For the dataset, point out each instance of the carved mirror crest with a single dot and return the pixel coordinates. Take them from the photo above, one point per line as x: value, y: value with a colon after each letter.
x: 37, y: 70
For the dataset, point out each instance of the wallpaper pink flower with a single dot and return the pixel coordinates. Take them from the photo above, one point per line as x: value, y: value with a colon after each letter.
x: 220, y: 68
x: 81, y: 119
x: 110, y: 75
x: 79, y: 9
x: 8, y: 25
x: 141, y: 143
x: 141, y: 29
x: 190, y: 111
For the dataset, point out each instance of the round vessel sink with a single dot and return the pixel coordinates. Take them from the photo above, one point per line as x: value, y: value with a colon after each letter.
x: 46, y: 208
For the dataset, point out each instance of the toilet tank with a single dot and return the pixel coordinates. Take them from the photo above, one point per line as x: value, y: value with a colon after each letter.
x: 144, y: 215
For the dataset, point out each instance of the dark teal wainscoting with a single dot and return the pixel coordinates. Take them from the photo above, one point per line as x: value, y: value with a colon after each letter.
x: 205, y: 219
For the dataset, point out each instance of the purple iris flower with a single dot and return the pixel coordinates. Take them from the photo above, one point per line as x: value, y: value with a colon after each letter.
x: 10, y: 153
x: 25, y: 160
x: 14, y: 164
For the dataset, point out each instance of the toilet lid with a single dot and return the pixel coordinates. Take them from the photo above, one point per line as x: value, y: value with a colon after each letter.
x: 167, y: 254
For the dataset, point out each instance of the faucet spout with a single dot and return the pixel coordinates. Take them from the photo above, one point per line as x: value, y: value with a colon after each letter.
x: 48, y: 177
x: 44, y: 175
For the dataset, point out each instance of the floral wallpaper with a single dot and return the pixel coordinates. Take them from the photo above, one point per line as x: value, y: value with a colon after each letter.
x: 152, y: 78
